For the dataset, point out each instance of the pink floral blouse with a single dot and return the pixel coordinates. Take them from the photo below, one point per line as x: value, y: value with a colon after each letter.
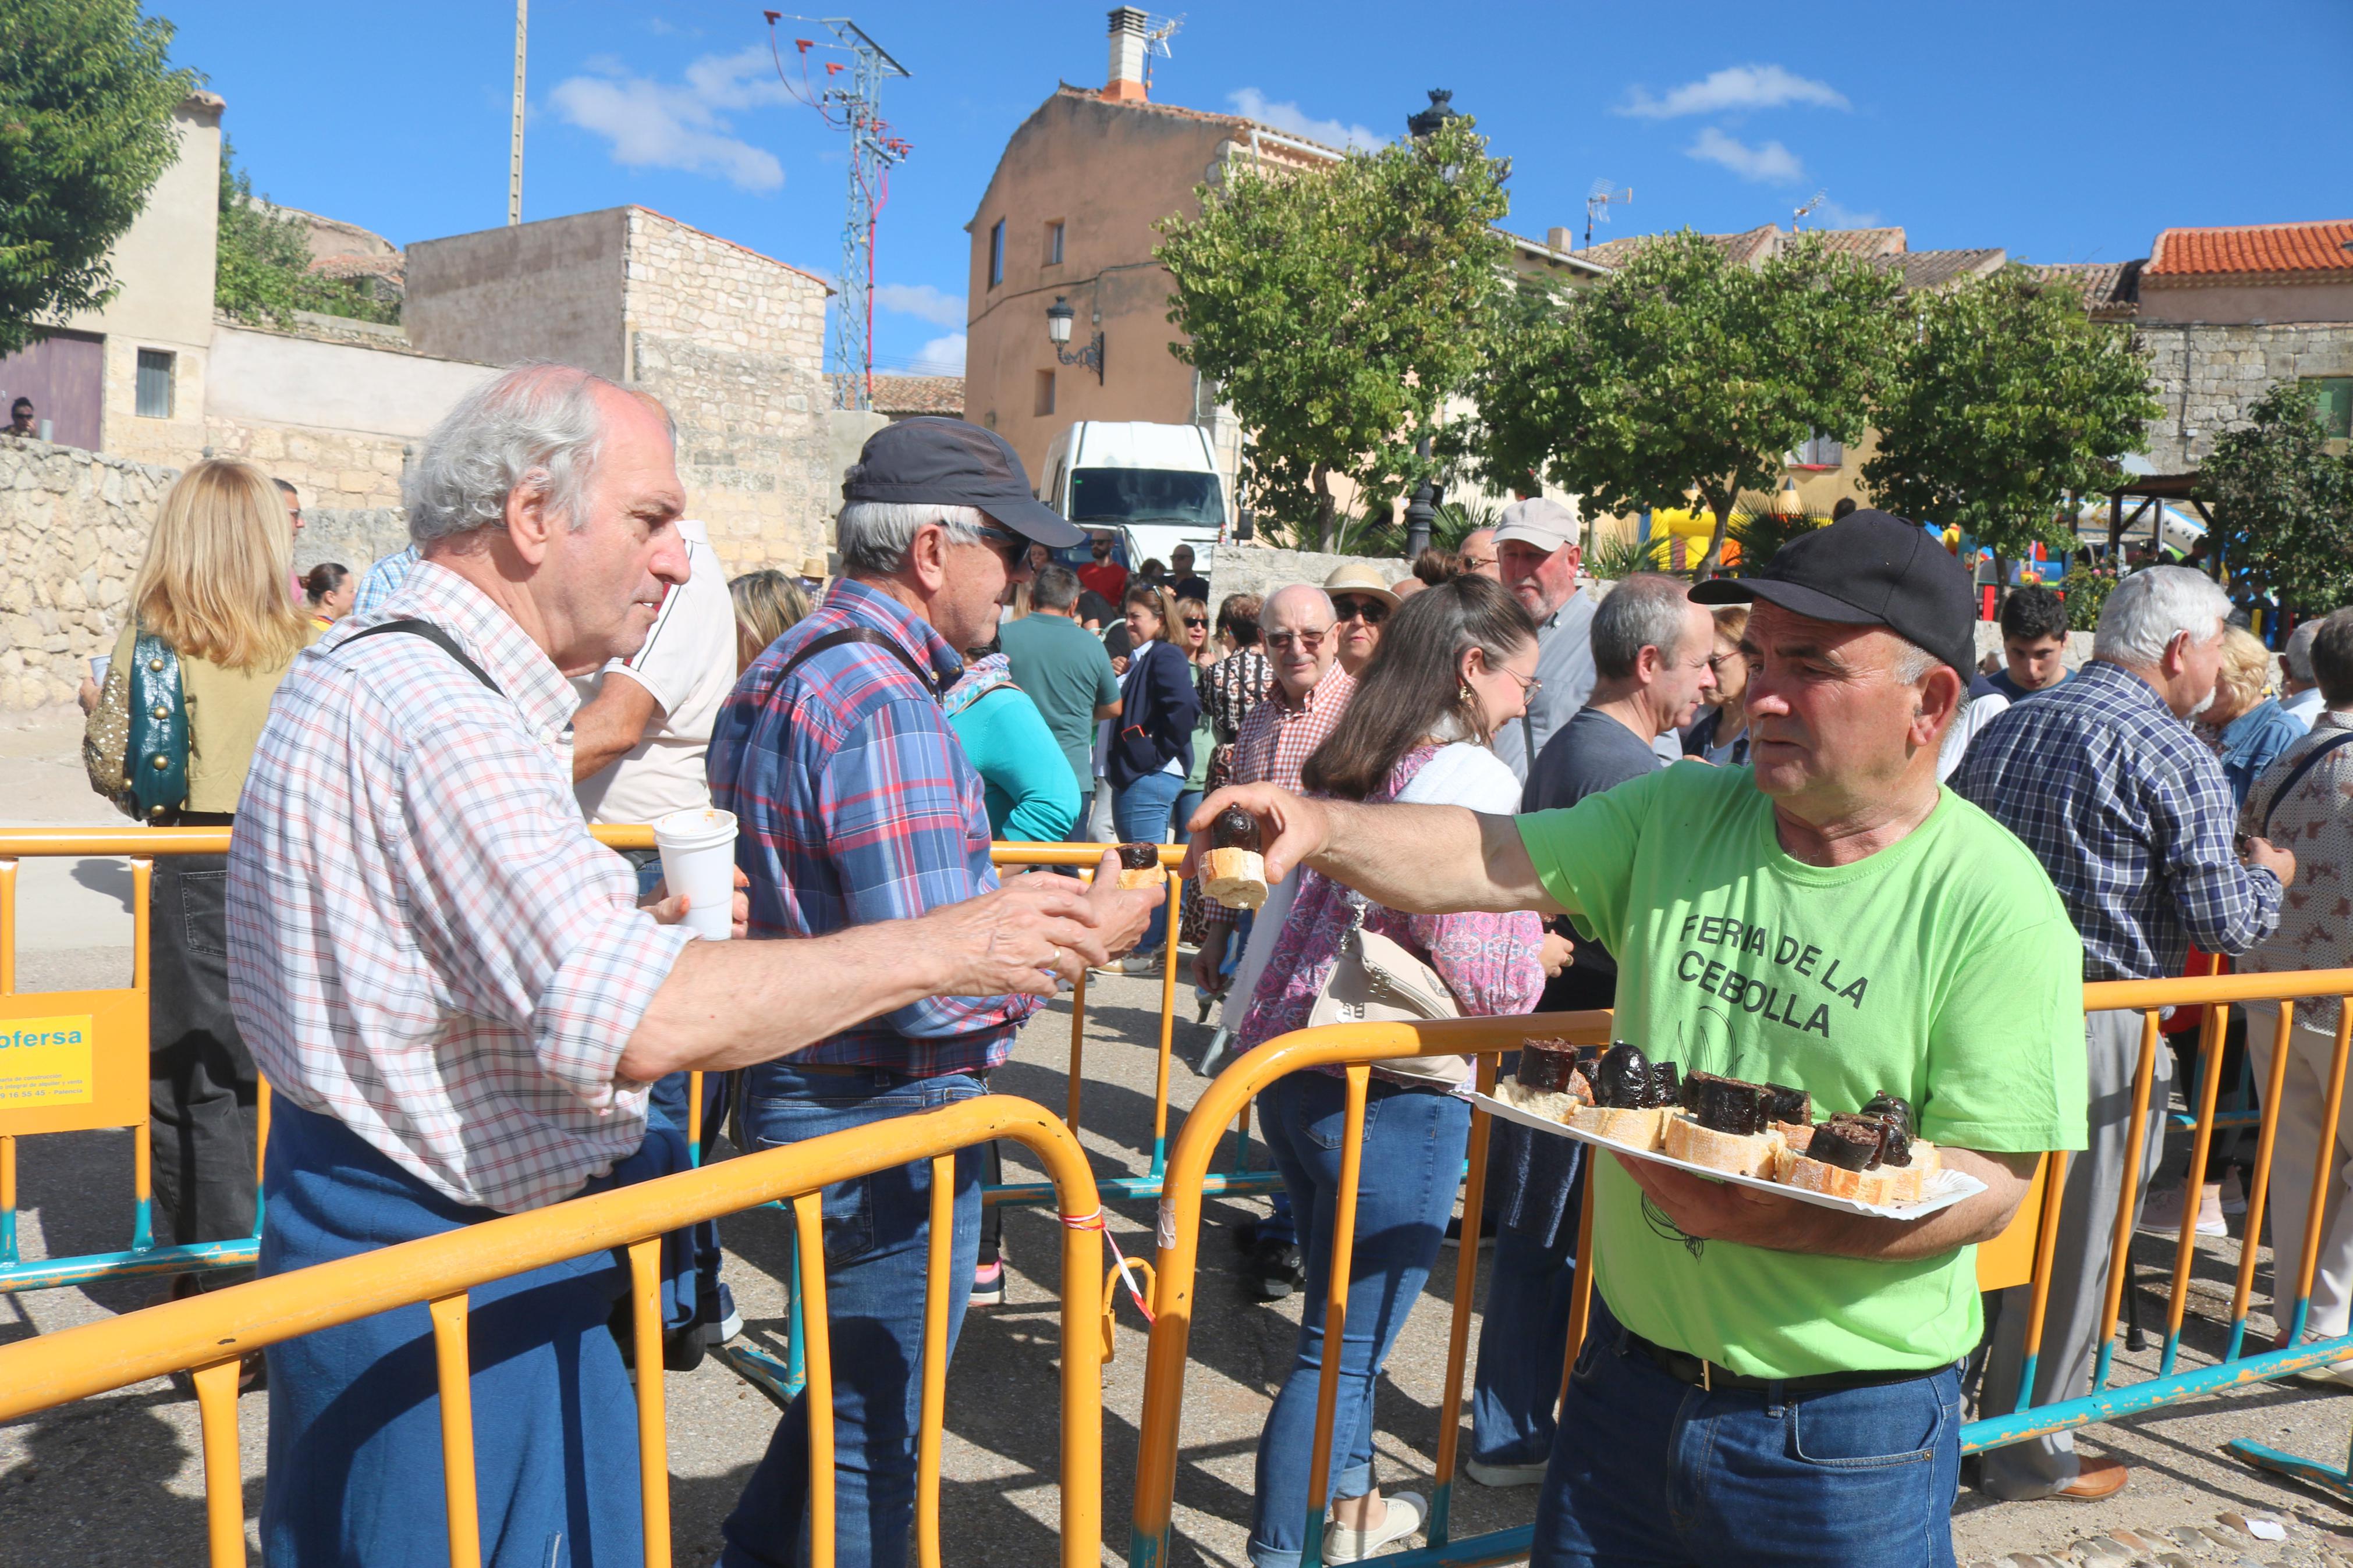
x: 1490, y: 962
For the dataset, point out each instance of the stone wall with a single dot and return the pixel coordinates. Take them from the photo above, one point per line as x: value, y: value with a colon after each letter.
x: 74, y: 526
x: 2206, y: 375
x: 352, y: 537
x: 732, y: 342
x: 330, y: 469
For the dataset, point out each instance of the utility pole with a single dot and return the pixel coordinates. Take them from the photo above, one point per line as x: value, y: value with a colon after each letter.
x: 515, y: 146
x: 853, y: 107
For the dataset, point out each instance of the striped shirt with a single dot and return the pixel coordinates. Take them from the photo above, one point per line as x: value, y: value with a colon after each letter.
x: 856, y: 804
x: 424, y: 941
x: 2130, y: 815
x: 1277, y: 739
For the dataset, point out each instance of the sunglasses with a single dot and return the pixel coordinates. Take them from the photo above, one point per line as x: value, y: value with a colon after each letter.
x: 1279, y: 641
x: 1010, y: 548
x: 1372, y: 611
x: 1197, y: 620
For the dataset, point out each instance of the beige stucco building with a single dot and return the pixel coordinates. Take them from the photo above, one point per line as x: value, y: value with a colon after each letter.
x: 1070, y: 214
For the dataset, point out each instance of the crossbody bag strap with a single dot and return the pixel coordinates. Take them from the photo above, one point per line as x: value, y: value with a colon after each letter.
x: 849, y: 634
x: 2302, y: 766
x: 414, y: 628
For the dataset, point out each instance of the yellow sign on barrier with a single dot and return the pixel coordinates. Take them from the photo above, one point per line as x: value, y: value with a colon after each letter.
x: 71, y: 1061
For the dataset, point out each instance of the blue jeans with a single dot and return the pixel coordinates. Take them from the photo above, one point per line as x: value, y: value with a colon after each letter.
x: 1650, y: 1470
x: 1522, y: 1346
x: 877, y: 1251
x: 1140, y: 813
x: 702, y: 1298
x: 1188, y: 801
x: 1413, y: 1163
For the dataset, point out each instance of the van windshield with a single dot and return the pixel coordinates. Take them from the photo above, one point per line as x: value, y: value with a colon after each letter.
x: 1145, y: 495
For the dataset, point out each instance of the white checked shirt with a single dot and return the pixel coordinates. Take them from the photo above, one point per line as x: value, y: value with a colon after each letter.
x: 425, y: 943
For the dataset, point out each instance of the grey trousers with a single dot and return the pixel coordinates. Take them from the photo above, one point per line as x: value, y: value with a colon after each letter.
x: 2079, y: 1264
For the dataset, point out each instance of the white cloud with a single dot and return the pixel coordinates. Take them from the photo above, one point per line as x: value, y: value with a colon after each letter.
x: 1734, y: 87
x: 1771, y: 164
x: 664, y: 125
x: 922, y: 302
x: 1252, y: 104
x: 941, y: 356
x: 1833, y: 215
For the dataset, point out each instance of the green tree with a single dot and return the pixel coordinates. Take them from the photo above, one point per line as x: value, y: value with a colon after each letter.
x: 261, y: 261
x: 1682, y: 369
x: 2283, y: 503
x: 1336, y: 309
x: 2007, y: 397
x: 86, y: 101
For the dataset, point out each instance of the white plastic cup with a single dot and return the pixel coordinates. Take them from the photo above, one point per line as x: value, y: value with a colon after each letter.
x: 698, y: 856
x: 97, y: 666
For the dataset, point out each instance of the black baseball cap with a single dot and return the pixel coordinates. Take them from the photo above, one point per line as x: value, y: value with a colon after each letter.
x: 1868, y: 569
x: 948, y: 462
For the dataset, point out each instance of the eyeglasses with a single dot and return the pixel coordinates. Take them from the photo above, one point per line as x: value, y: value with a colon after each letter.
x: 1372, y: 611
x: 1281, y: 641
x: 1197, y: 620
x: 1010, y: 548
x: 1529, y: 685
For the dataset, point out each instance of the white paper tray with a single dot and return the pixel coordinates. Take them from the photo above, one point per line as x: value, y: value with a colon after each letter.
x: 1946, y: 1187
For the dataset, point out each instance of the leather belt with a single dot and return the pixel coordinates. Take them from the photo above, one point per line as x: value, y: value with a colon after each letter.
x: 1689, y: 1369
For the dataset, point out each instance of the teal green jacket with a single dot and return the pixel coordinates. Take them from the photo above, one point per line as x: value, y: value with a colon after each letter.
x: 1030, y: 793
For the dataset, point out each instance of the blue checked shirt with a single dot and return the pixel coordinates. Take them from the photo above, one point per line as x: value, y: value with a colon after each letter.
x: 2131, y: 816
x: 855, y: 804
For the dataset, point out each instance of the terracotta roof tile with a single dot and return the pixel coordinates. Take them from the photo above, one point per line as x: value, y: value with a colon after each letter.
x: 1935, y: 268
x: 903, y: 394
x: 2305, y: 251
x: 2110, y: 289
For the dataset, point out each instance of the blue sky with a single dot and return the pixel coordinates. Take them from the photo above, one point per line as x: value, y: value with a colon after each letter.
x: 2063, y: 131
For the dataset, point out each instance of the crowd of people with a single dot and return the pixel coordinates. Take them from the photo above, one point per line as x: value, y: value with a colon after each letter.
x: 1783, y: 823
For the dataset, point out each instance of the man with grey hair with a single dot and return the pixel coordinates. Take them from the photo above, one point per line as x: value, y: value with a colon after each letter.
x: 856, y: 804
x: 2300, y: 692
x: 1828, y: 918
x: 2130, y: 814
x: 1650, y: 658
x: 1477, y: 552
x: 1538, y: 556
x: 459, y: 1001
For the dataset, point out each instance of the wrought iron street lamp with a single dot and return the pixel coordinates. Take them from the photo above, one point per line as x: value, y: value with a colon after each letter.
x: 1059, y: 316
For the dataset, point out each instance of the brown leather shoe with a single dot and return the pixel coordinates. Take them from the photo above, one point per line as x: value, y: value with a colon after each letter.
x: 2096, y: 1480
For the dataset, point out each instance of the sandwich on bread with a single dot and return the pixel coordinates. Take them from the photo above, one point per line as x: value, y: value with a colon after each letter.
x: 1551, y: 1081
x: 1233, y: 872
x: 1632, y: 1100
x: 1868, y: 1155
x: 1139, y: 866
x: 1725, y: 1126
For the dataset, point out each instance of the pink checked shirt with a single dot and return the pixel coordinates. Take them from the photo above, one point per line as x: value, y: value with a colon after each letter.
x: 425, y: 943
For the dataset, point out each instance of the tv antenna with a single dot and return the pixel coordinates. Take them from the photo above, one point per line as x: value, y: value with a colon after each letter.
x: 1800, y: 216
x: 852, y: 105
x: 1596, y: 205
x: 1158, y: 31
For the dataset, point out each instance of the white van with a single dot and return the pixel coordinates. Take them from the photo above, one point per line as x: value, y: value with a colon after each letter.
x: 1152, y: 487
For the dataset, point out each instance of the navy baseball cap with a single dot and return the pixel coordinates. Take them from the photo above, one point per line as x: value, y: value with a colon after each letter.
x: 948, y: 462
x: 1867, y: 569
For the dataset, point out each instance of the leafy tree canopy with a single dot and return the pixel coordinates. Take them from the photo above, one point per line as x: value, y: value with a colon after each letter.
x: 1680, y: 369
x: 86, y: 101
x: 261, y: 263
x: 2006, y: 397
x: 1336, y: 309
x: 2282, y: 503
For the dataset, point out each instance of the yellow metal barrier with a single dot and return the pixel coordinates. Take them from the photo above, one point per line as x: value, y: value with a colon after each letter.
x: 206, y: 1334
x: 2023, y: 1252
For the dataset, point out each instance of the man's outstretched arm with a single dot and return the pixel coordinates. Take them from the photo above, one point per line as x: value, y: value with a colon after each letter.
x: 1422, y: 859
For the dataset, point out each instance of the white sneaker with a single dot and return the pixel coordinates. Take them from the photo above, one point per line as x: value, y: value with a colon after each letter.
x: 2234, y: 1196
x: 1402, y: 1514
x: 1503, y: 1475
x: 2334, y: 1373
x: 2161, y: 1214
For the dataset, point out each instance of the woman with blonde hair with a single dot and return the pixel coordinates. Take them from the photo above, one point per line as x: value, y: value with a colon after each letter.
x: 2246, y: 727
x: 768, y: 604
x: 214, y: 627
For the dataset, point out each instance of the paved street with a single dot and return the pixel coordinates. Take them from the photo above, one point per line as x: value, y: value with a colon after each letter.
x: 116, y: 1480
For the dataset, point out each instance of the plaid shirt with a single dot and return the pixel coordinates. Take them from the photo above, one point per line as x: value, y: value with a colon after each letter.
x: 1277, y: 739
x: 424, y: 942
x: 856, y: 804
x: 2132, y: 818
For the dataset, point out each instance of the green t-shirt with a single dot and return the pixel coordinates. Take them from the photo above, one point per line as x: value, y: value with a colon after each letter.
x: 1942, y: 969
x: 1063, y: 667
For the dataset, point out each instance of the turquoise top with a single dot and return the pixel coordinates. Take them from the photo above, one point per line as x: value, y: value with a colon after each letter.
x: 1031, y: 793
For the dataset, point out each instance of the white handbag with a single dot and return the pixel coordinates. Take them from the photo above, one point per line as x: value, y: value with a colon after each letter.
x: 1377, y: 980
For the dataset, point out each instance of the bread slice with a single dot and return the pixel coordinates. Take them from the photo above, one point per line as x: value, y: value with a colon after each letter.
x: 1235, y: 878
x: 1748, y: 1155
x: 1136, y: 881
x: 1909, y: 1183
x: 1552, y: 1104
x: 1636, y: 1129
x: 1795, y: 1170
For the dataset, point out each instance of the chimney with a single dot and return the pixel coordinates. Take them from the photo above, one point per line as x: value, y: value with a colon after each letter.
x: 1127, y: 46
